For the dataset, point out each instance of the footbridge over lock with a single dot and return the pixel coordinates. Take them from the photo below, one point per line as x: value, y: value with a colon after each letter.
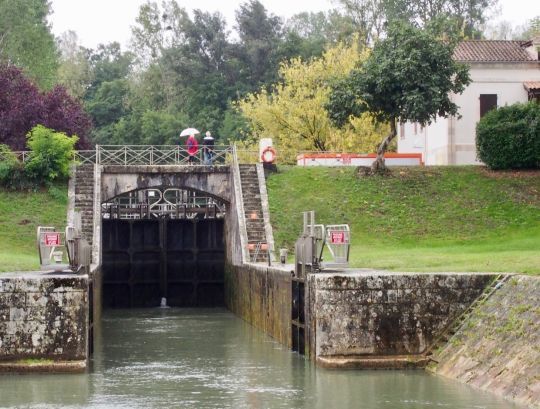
x: 163, y: 225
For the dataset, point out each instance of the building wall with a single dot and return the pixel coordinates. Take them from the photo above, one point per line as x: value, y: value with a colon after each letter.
x: 430, y: 141
x: 452, y: 142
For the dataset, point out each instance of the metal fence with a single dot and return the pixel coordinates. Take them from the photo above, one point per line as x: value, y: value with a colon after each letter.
x: 133, y: 155
x: 160, y: 155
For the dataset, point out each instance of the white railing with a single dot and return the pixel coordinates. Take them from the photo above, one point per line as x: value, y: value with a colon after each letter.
x: 132, y: 155
x: 159, y: 155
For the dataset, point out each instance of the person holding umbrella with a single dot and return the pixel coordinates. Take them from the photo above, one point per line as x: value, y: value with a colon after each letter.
x: 208, y: 148
x: 191, y: 143
x: 192, y: 148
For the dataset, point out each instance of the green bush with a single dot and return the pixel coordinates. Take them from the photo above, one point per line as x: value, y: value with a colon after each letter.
x: 12, y: 174
x: 51, y: 154
x: 8, y: 161
x: 509, y: 137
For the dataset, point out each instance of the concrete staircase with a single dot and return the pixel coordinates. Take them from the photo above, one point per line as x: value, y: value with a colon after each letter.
x: 253, y: 213
x: 84, y: 199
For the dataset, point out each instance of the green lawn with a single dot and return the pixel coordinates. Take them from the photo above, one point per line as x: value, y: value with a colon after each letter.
x: 418, y: 219
x: 20, y: 214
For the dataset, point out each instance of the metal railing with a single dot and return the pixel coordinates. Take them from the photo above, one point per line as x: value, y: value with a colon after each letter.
x: 133, y: 155
x: 160, y: 155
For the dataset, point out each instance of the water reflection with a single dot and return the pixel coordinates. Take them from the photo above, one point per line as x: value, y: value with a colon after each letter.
x: 165, y: 358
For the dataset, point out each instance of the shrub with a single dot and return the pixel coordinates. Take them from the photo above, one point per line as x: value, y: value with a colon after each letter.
x: 509, y: 137
x: 8, y: 162
x: 51, y: 154
x: 12, y: 173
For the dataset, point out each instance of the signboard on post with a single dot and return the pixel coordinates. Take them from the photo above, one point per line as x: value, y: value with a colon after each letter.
x: 338, y: 238
x: 51, y: 249
x: 52, y: 239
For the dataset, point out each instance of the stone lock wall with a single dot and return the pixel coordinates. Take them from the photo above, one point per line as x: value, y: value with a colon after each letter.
x: 43, y: 316
x: 261, y: 295
x: 370, y: 314
x: 498, y: 347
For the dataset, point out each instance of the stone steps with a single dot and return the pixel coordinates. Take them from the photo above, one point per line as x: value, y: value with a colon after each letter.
x: 84, y: 198
x: 253, y: 211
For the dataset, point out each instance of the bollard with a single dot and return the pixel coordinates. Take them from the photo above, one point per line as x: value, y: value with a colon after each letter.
x: 283, y: 255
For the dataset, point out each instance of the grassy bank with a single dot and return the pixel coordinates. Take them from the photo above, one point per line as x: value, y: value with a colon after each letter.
x: 20, y: 214
x: 418, y: 219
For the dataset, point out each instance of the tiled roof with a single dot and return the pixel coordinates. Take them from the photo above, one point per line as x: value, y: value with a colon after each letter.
x: 492, y: 51
x: 531, y: 85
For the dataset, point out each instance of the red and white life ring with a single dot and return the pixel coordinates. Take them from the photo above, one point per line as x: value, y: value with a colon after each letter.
x: 268, y: 155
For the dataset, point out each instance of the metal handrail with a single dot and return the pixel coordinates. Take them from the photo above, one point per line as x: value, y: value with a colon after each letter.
x: 142, y: 155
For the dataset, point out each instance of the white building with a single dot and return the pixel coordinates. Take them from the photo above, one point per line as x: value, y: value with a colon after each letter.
x: 502, y: 73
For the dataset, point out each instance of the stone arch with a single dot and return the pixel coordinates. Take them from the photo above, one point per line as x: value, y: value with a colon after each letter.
x: 214, y: 182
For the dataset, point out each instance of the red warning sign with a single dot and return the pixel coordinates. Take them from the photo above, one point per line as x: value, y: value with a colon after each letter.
x: 52, y: 239
x: 338, y: 237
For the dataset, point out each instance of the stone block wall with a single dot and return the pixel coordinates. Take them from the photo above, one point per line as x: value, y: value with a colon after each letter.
x: 43, y: 316
x: 498, y: 347
x: 370, y: 314
x: 261, y: 295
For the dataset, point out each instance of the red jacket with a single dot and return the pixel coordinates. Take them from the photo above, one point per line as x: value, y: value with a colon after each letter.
x: 192, y: 145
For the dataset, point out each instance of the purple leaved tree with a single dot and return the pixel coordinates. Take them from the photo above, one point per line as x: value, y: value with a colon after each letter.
x: 23, y: 106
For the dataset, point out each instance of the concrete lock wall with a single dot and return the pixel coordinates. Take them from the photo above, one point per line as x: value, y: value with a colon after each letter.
x: 369, y: 315
x: 43, y: 316
x: 261, y: 295
x: 498, y: 348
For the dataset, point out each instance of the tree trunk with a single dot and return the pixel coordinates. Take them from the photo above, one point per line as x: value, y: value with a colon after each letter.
x: 378, y: 166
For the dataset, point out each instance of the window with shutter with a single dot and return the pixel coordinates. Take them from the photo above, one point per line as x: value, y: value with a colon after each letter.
x: 487, y: 103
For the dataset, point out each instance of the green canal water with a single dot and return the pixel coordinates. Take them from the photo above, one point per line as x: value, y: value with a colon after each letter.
x: 182, y: 358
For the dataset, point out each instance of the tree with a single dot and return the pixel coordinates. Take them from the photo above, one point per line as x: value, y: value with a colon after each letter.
x: 459, y: 17
x: 294, y: 113
x: 308, y: 34
x: 22, y: 106
x: 157, y: 29
x: 64, y: 114
x: 529, y: 30
x: 199, y: 70
x: 26, y: 39
x: 408, y: 77
x: 260, y: 38
x: 74, y: 72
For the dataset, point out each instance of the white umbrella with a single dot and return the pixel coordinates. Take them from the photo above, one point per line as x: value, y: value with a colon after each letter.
x: 189, y: 131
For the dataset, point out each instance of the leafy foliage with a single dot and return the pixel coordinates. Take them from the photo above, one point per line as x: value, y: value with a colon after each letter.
x: 74, y: 72
x: 187, y: 66
x: 23, y: 106
x: 464, y: 18
x: 509, y: 137
x: 408, y: 77
x: 51, y: 154
x: 8, y: 165
x: 26, y: 39
x: 294, y: 113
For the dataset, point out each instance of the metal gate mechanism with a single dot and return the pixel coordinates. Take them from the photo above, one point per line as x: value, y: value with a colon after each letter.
x: 309, y: 249
x: 163, y: 246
